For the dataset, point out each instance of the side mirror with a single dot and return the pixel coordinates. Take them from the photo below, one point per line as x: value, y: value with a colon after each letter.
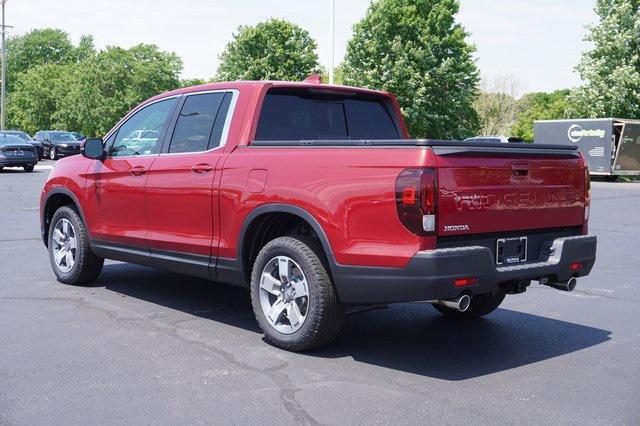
x: 93, y: 148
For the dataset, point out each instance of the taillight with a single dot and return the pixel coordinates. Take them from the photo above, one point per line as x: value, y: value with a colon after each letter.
x: 587, y: 192
x: 416, y: 200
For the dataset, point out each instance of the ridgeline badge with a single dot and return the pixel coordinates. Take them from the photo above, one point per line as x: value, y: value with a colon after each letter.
x: 576, y: 133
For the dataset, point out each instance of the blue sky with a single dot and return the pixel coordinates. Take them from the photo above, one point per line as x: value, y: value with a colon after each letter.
x: 538, y: 41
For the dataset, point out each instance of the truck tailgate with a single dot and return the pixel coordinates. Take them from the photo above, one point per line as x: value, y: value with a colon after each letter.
x: 494, y: 190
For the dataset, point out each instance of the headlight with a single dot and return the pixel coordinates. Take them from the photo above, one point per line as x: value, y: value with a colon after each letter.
x: 63, y: 145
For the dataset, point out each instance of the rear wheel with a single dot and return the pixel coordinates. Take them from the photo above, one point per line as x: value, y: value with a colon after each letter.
x: 28, y: 168
x: 480, y: 305
x: 293, y: 297
x: 52, y: 153
x: 71, y: 257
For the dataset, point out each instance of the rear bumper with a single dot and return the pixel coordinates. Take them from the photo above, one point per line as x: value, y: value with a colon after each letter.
x: 18, y: 161
x: 430, y: 275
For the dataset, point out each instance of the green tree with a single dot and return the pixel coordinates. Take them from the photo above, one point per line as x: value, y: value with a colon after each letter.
x: 271, y: 50
x: 539, y: 106
x: 84, y: 50
x: 612, y: 68
x: 31, y: 104
x: 188, y: 82
x: 497, y: 106
x: 38, y: 47
x: 94, y: 94
x: 415, y: 49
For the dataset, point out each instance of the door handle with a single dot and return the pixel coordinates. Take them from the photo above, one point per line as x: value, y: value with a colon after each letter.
x: 201, y: 168
x: 137, y: 171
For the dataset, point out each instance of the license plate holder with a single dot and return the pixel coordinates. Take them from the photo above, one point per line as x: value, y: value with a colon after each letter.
x: 510, y: 251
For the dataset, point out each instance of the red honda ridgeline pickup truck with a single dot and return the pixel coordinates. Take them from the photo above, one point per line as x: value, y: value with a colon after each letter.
x: 314, y: 197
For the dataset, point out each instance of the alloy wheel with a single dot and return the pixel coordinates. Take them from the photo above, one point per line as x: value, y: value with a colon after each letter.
x: 284, y: 294
x: 64, y: 245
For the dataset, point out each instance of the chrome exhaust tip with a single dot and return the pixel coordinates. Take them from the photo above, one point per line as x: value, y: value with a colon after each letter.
x: 460, y: 303
x: 564, y: 285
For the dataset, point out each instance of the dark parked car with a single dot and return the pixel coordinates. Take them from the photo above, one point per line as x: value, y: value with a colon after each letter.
x: 26, y: 138
x: 79, y: 136
x: 14, y: 152
x: 57, y: 144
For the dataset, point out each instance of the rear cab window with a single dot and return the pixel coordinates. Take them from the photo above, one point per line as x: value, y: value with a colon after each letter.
x: 304, y: 114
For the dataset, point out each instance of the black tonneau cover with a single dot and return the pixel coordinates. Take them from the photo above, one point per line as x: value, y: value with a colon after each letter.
x: 440, y: 147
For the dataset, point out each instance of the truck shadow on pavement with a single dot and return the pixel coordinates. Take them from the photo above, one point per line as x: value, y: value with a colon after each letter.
x: 412, y: 338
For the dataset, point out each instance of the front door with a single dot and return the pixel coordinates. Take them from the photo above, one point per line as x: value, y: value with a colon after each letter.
x: 116, y: 186
x: 181, y: 210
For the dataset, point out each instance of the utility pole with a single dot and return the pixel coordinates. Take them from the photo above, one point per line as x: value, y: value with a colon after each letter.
x: 3, y: 92
x: 332, y: 38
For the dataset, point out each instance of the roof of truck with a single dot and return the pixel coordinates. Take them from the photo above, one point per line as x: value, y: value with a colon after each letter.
x: 250, y: 84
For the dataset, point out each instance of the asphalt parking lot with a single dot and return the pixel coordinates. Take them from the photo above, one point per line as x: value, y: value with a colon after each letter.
x: 143, y: 346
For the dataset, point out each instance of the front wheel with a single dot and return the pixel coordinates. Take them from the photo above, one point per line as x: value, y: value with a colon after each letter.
x: 72, y: 260
x: 293, y: 297
x: 480, y: 305
x: 28, y: 168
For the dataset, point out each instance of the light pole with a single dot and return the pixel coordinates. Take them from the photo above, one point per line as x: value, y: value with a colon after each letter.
x: 3, y: 92
x: 332, y: 22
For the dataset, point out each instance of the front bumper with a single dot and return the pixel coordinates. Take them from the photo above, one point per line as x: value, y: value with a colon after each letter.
x: 67, y: 150
x: 430, y: 275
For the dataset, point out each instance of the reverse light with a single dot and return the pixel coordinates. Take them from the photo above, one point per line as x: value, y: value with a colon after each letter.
x: 416, y: 200
x: 463, y: 282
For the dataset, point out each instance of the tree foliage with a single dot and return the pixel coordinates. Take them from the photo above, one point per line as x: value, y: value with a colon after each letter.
x: 34, y: 97
x: 271, y: 50
x: 101, y: 90
x: 539, y: 106
x: 612, y: 68
x: 497, y: 105
x: 91, y: 92
x: 416, y: 49
x: 38, y: 47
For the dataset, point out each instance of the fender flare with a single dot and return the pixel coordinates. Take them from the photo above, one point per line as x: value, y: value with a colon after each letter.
x: 291, y: 209
x: 56, y: 191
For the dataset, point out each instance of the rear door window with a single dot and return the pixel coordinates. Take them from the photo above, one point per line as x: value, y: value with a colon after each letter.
x: 304, y: 115
x: 197, y: 128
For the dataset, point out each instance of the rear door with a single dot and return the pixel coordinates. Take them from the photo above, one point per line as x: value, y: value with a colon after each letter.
x: 493, y: 193
x: 181, y: 209
x: 628, y: 156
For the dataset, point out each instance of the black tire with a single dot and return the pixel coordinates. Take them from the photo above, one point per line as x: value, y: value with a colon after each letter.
x: 29, y: 168
x: 325, y: 314
x: 87, y: 265
x: 52, y: 153
x: 611, y: 178
x: 481, y: 305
